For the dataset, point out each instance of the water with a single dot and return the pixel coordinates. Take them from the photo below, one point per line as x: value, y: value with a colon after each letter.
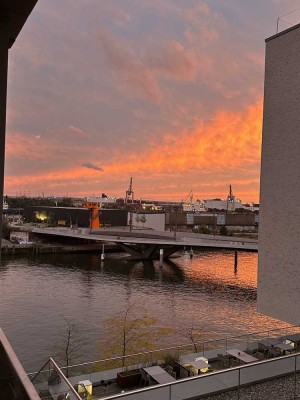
x: 36, y: 293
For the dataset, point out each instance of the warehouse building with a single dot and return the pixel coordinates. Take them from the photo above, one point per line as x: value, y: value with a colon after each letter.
x: 73, y: 216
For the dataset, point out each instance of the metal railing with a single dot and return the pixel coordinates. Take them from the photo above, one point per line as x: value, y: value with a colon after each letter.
x: 62, y: 376
x: 150, y: 357
x: 279, y: 376
x: 111, y: 366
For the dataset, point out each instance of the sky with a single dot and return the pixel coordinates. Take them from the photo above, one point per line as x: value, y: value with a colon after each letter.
x: 169, y: 92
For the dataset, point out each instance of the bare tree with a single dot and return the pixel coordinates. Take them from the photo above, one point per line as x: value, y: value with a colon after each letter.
x: 194, y: 335
x: 69, y: 343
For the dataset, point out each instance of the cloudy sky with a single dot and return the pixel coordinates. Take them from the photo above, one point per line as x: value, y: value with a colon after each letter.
x: 167, y: 91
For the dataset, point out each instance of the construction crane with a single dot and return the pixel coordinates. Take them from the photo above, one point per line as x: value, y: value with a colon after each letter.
x: 129, y: 196
x: 94, y: 207
x: 189, y: 197
x: 230, y: 200
x: 129, y: 193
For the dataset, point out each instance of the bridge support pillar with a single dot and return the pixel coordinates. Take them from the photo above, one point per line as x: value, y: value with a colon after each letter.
x: 147, y: 252
x: 161, y: 256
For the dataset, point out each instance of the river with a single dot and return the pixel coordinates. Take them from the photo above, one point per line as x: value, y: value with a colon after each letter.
x: 37, y: 293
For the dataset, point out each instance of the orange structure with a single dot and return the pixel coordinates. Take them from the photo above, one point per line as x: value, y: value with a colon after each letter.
x: 94, y: 207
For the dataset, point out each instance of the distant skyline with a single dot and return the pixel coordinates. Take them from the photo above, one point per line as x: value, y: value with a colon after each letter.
x: 169, y: 92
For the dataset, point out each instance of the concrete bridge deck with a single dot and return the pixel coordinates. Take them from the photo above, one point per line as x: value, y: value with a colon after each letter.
x: 151, y: 241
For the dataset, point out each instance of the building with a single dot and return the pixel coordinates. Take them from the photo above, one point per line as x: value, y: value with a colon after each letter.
x: 219, y: 204
x: 13, y: 16
x: 149, y: 220
x: 14, y: 382
x: 73, y: 216
x: 102, y: 201
x: 279, y: 233
x: 58, y: 216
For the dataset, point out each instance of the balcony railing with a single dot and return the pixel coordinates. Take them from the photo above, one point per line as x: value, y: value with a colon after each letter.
x: 104, y: 372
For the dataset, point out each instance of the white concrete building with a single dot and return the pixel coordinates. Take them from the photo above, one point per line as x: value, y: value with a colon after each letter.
x: 148, y: 220
x: 220, y: 204
x: 279, y: 232
x: 102, y: 201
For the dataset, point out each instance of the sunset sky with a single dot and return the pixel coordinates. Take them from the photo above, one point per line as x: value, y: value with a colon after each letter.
x: 169, y: 92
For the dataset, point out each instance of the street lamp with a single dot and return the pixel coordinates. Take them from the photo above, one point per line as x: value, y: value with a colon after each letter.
x: 175, y: 232
x: 70, y: 221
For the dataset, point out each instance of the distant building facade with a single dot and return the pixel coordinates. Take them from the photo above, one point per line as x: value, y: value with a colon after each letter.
x: 219, y: 204
x: 149, y: 220
x: 73, y: 216
x: 279, y: 232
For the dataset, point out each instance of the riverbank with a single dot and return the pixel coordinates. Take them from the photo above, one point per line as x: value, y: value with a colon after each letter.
x: 49, y: 248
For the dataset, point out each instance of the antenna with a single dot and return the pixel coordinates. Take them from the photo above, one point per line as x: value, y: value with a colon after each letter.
x: 284, y: 15
x: 278, y: 16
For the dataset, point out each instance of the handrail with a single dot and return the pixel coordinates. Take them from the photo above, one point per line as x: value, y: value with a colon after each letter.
x: 61, y: 374
x: 39, y: 371
x: 203, y: 343
x: 217, y: 373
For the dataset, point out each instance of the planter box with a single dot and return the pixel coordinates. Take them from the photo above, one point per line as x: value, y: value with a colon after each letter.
x: 128, y: 379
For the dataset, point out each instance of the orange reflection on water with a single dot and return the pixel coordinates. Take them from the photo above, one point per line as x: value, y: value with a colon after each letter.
x: 208, y: 266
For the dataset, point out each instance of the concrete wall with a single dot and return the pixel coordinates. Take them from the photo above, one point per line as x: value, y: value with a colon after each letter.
x: 204, y: 219
x: 279, y: 232
x: 176, y: 218
x: 14, y: 383
x: 240, y: 219
x: 154, y: 221
x: 113, y: 217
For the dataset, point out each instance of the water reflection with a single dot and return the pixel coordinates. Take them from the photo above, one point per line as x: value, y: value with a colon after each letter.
x: 36, y: 291
x: 4, y: 267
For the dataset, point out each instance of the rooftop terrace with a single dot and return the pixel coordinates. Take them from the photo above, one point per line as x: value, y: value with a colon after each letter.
x: 244, y: 367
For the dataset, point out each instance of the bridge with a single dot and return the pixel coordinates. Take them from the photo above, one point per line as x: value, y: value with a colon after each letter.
x: 146, y: 244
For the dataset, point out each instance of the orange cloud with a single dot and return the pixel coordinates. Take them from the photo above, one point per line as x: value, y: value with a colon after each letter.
x: 226, y: 146
x: 230, y: 140
x: 19, y: 145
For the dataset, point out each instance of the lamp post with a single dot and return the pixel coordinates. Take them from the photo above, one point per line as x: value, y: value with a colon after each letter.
x: 70, y: 219
x: 175, y: 231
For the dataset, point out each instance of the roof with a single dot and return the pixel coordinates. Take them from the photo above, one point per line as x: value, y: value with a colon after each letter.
x: 283, y: 32
x: 14, y: 14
